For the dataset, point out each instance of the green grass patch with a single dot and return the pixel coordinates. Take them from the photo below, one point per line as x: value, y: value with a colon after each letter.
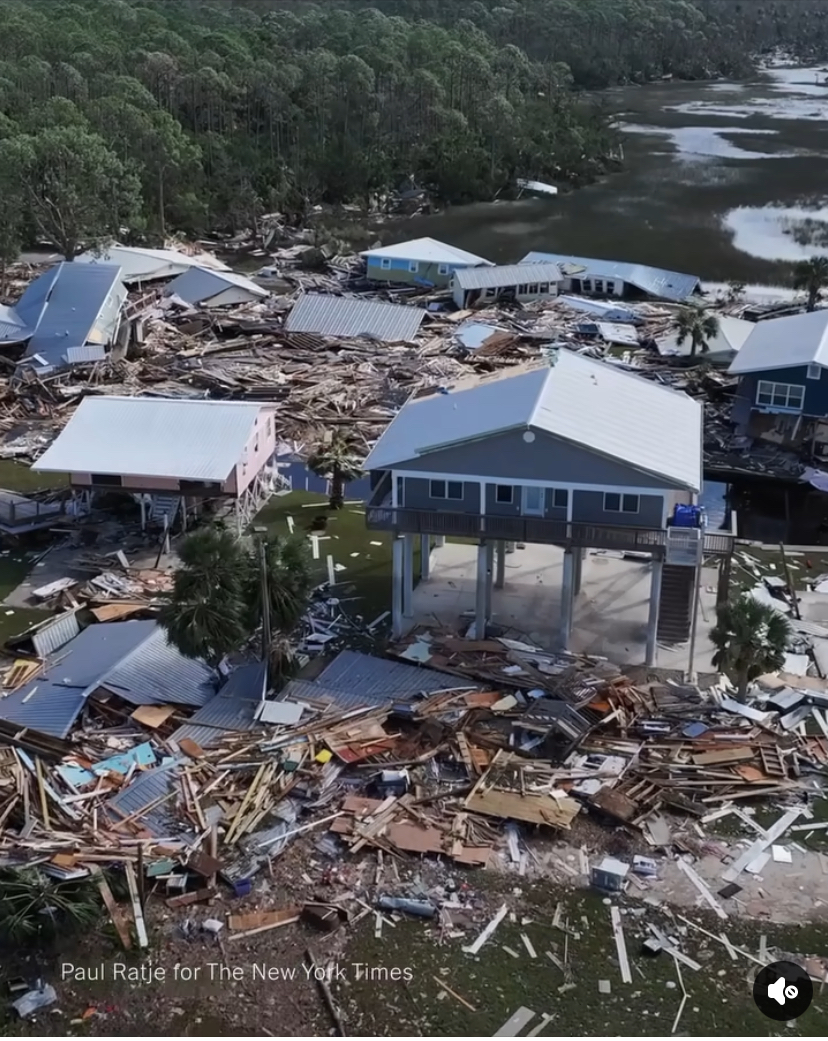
x: 17, y: 477
x: 365, y: 555
x: 751, y: 565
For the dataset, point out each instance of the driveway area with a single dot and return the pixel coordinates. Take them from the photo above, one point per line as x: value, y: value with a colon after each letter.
x: 610, y: 616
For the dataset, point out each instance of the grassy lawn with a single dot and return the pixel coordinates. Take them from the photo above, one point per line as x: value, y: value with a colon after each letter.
x: 751, y: 565
x: 496, y: 983
x: 365, y: 555
x: 17, y: 477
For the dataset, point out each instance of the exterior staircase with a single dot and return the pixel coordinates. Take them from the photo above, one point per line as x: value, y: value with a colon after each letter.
x: 676, y: 606
x: 161, y: 506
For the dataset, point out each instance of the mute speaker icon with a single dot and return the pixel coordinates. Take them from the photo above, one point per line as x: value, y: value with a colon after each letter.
x: 782, y: 991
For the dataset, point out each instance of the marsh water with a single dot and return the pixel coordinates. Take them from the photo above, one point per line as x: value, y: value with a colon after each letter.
x: 725, y: 180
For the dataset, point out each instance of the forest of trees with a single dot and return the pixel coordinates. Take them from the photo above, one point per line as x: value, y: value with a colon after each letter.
x: 152, y: 115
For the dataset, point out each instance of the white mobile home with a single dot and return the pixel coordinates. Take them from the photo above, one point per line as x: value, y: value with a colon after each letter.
x: 519, y: 282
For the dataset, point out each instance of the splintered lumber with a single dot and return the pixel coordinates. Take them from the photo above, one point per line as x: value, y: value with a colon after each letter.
x: 444, y: 986
x: 488, y: 932
x: 115, y: 911
x: 702, y: 887
x: 774, y: 832
x: 262, y: 919
x: 515, y: 1023
x: 620, y: 945
x: 321, y: 982
x: 137, y: 912
x: 190, y: 898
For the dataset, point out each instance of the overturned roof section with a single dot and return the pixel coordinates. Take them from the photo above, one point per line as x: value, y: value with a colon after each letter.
x: 348, y: 317
x: 782, y: 343
x: 176, y: 438
x: 13, y: 328
x: 426, y: 251
x: 51, y: 703
x: 667, y: 285
x: 200, y: 286
x: 72, y: 306
x: 731, y: 337
x: 589, y: 403
x: 143, y: 265
x: 506, y: 275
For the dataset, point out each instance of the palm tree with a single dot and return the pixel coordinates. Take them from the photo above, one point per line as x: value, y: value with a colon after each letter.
x: 750, y: 639
x: 33, y: 904
x: 337, y: 459
x: 812, y: 276
x: 215, y: 606
x: 693, y: 323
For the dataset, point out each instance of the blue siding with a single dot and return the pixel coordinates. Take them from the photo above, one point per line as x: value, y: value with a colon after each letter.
x: 398, y: 271
x: 816, y: 391
x: 304, y: 480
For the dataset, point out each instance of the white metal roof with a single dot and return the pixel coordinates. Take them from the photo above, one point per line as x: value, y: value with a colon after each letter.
x: 506, y: 275
x: 731, y: 337
x: 351, y: 316
x: 426, y: 251
x: 198, y: 285
x: 138, y: 264
x: 781, y: 343
x: 590, y: 403
x: 176, y: 438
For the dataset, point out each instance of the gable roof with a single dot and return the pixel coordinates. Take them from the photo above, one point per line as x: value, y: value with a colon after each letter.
x: 348, y: 316
x: 731, y: 337
x: 781, y: 343
x: 52, y: 701
x: 70, y: 305
x: 426, y: 251
x: 179, y: 438
x: 140, y: 265
x: 500, y: 275
x: 668, y: 285
x: 589, y: 403
x: 197, y: 285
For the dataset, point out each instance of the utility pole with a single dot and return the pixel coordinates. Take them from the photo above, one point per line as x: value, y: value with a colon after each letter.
x: 261, y: 534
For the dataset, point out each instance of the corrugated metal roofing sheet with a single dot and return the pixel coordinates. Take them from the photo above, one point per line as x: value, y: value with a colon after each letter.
x: 160, y: 821
x: 356, y: 680
x: 506, y: 275
x: 155, y: 673
x: 179, y: 438
x: 51, y: 702
x: 198, y: 284
x: 55, y: 633
x: 90, y: 352
x: 232, y: 709
x: 426, y: 251
x: 140, y: 264
x: 349, y: 317
x: 668, y: 285
x: 589, y: 403
x: 781, y: 343
x: 12, y: 327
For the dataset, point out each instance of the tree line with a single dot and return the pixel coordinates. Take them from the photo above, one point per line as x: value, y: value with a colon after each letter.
x: 127, y: 117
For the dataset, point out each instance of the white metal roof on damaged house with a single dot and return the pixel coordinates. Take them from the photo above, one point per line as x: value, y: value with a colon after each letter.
x: 143, y: 265
x: 782, y: 343
x: 426, y: 251
x: 589, y: 403
x: 175, y: 438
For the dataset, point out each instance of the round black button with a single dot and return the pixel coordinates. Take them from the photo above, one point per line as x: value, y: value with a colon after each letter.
x: 782, y: 990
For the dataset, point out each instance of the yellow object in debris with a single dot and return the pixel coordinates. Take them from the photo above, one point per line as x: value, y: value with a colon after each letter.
x: 324, y: 756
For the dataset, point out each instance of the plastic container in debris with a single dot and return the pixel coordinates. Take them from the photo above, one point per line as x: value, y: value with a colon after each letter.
x: 33, y: 1000
x: 418, y: 908
x: 688, y: 516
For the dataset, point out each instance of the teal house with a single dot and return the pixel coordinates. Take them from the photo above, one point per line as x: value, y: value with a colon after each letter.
x: 419, y: 262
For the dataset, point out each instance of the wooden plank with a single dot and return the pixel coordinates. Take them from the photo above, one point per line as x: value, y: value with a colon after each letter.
x: 620, y: 945
x: 137, y: 913
x: 771, y: 835
x: 726, y: 755
x: 488, y: 932
x: 257, y: 919
x: 190, y: 898
x: 515, y: 1023
x: 152, y: 716
x: 115, y: 911
x: 702, y: 887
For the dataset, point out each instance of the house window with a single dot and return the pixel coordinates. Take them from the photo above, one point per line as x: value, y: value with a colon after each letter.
x: 533, y: 289
x: 560, y: 498
x: 413, y: 266
x: 586, y: 285
x: 814, y: 372
x: 256, y: 445
x: 599, y: 285
x: 106, y: 480
x: 522, y: 290
x: 544, y: 287
x: 442, y: 269
x: 780, y: 395
x: 445, y: 489
x: 614, y: 502
x: 385, y: 263
x: 503, y: 493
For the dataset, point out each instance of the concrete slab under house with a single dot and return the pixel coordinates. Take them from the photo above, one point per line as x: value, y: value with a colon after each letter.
x: 575, y: 454
x: 171, y: 454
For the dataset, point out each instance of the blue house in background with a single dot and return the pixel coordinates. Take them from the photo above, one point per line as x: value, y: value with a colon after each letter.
x: 783, y: 381
x: 419, y: 262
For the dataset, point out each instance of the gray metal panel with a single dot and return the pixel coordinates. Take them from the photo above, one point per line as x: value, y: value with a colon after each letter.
x: 77, y: 295
x: 13, y: 328
x: 88, y: 353
x: 588, y: 508
x: 155, y: 673
x: 506, y: 275
x: 416, y: 496
x: 507, y: 458
x: 180, y: 438
x: 232, y: 709
x: 784, y: 343
x: 668, y: 285
x: 361, y: 679
x: 351, y: 317
x: 161, y: 821
x: 198, y: 284
x: 51, y: 702
x: 55, y: 633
